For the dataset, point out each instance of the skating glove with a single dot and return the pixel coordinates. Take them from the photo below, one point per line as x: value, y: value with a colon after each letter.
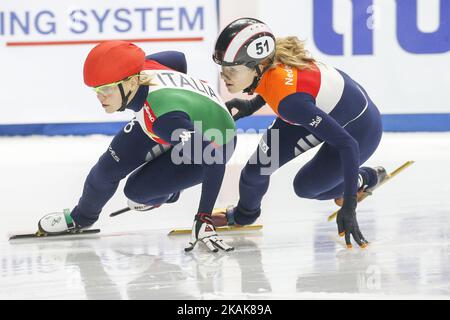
x: 347, y: 223
x: 245, y: 107
x: 203, y: 230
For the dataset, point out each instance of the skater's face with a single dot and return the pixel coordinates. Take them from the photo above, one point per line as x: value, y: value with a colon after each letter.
x: 110, y: 97
x: 237, y: 78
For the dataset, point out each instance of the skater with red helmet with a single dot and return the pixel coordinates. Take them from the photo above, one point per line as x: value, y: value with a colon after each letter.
x: 176, y: 116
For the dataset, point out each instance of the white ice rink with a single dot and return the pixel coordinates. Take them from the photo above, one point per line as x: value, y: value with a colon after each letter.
x: 296, y: 255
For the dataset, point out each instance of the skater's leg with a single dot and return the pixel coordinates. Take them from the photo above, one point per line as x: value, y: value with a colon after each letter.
x: 367, y: 177
x: 281, y: 143
x: 129, y: 149
x: 322, y: 178
x: 155, y: 182
x: 162, y: 179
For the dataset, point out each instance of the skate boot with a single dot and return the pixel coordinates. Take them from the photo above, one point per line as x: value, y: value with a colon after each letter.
x: 366, y: 190
x: 381, y: 176
x: 224, y: 217
x: 229, y: 216
x: 143, y: 207
x: 58, y: 223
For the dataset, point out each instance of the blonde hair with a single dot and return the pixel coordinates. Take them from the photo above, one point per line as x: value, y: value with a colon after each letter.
x: 146, y: 78
x: 291, y: 51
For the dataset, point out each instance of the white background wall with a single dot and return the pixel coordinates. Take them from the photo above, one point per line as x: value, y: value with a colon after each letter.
x: 41, y: 84
x: 398, y: 81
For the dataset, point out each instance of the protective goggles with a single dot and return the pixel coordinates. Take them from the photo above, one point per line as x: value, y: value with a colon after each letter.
x: 109, y: 88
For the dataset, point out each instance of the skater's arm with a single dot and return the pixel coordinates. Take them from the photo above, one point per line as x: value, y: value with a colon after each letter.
x: 173, y: 59
x: 300, y: 108
x: 177, y: 128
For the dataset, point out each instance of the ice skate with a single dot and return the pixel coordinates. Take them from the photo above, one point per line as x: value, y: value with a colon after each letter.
x: 365, y: 190
x: 383, y: 177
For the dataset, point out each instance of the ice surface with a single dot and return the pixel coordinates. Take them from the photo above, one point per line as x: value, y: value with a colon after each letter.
x: 296, y: 255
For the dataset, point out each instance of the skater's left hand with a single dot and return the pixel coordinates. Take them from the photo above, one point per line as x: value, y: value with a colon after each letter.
x: 348, y: 225
x: 203, y: 230
x: 245, y: 107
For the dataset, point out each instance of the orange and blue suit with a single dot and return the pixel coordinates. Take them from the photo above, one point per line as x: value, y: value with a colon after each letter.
x: 316, y: 105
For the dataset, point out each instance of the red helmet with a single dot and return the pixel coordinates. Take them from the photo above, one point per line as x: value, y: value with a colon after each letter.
x: 112, y: 61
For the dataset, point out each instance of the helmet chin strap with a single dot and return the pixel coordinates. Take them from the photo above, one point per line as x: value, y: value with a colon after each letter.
x: 251, y: 89
x: 124, y: 98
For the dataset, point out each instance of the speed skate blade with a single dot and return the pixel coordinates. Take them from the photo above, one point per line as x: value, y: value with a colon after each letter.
x: 39, y: 234
x: 389, y: 177
x: 254, y: 227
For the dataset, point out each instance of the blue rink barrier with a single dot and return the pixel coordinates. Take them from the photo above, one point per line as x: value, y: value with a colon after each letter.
x: 433, y: 122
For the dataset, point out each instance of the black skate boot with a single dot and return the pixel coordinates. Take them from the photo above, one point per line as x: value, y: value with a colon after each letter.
x: 366, y: 190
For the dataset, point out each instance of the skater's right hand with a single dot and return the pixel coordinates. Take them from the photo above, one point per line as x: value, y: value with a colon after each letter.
x: 348, y: 224
x: 203, y: 230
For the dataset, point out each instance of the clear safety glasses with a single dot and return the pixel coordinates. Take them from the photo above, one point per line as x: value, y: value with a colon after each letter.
x: 109, y: 88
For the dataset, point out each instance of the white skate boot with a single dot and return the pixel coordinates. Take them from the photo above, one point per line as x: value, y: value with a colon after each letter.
x: 143, y: 207
x: 57, y: 223
x: 140, y: 207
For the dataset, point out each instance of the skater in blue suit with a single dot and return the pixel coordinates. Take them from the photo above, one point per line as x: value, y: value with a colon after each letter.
x: 177, y: 117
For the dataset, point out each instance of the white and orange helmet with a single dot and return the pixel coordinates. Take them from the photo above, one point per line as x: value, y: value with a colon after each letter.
x: 245, y: 41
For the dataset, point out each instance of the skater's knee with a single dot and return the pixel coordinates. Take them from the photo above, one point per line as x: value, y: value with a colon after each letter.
x: 304, y: 193
x: 129, y: 193
x: 304, y: 190
x: 133, y: 193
